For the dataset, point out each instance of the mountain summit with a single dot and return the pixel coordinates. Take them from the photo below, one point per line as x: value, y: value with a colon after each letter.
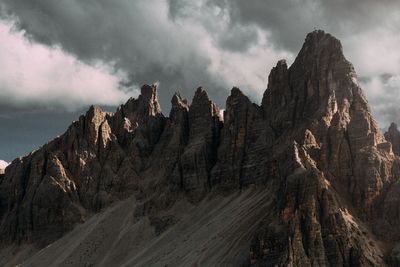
x: 305, y: 179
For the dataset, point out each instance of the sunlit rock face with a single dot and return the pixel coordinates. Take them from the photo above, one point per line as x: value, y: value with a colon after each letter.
x: 329, y: 177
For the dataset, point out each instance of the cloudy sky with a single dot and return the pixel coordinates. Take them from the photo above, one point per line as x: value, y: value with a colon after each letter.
x: 58, y: 57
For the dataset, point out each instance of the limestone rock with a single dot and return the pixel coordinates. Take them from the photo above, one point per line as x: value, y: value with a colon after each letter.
x: 79, y: 172
x: 199, y: 154
x: 168, y: 152
x: 393, y: 136
x: 328, y: 176
x: 238, y: 133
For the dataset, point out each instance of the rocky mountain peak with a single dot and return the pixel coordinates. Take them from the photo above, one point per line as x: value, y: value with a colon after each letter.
x: 179, y: 109
x: 280, y: 67
x: 321, y: 85
x: 94, y: 111
x: 321, y: 52
x: 88, y: 126
x: 319, y: 40
x: 149, y: 96
x: 95, y: 115
x: 144, y: 112
x: 393, y: 136
x: 237, y: 93
x: 200, y: 96
x: 393, y: 127
x: 145, y: 105
x: 308, y: 175
x: 95, y: 118
x: 236, y: 103
x: 278, y: 92
x: 178, y: 102
x: 149, y: 92
x: 202, y: 103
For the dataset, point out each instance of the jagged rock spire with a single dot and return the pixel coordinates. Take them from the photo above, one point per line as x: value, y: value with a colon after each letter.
x: 278, y: 92
x: 178, y: 101
x: 393, y: 136
x: 201, y: 99
x: 146, y: 105
x: 179, y: 108
x: 149, y: 97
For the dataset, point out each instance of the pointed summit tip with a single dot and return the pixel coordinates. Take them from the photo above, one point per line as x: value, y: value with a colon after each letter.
x: 148, y: 91
x: 319, y: 39
x: 236, y: 92
x: 94, y: 107
x: 93, y: 110
x: 318, y: 35
x: 321, y: 47
x: 176, y: 96
x: 281, y: 63
x: 201, y: 98
x: 393, y: 126
x: 236, y: 97
x: 200, y: 90
x: 200, y: 93
x: 178, y: 101
x: 95, y: 113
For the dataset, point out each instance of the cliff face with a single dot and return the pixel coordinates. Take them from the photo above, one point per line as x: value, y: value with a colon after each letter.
x: 393, y: 136
x: 330, y: 175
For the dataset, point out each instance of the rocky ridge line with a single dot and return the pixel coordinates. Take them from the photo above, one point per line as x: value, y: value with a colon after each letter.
x: 312, y: 142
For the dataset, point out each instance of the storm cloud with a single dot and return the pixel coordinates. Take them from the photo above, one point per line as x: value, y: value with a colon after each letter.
x: 369, y: 31
x: 34, y: 74
x: 181, y: 44
x: 139, y: 38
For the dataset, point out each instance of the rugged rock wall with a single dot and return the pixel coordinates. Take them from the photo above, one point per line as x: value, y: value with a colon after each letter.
x: 393, y: 136
x: 313, y: 142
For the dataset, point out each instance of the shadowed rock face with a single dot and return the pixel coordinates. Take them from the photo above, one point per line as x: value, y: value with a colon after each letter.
x: 393, y: 136
x: 331, y: 177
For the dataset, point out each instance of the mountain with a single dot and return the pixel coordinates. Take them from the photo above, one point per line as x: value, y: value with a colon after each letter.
x: 307, y: 178
x: 393, y: 136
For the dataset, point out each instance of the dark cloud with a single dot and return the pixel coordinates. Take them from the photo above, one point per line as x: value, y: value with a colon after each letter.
x: 216, y: 19
x: 134, y: 36
x: 153, y: 41
x: 288, y: 21
x: 368, y: 29
x: 138, y: 38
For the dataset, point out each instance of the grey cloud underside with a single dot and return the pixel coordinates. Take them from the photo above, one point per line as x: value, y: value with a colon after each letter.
x: 235, y: 37
x: 289, y: 20
x: 126, y: 34
x: 137, y: 36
